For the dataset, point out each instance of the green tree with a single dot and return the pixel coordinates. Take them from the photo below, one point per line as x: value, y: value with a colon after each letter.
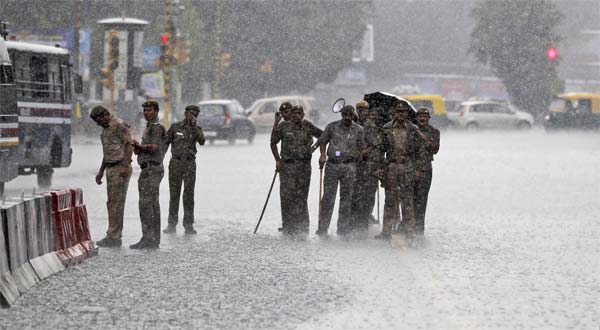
x: 299, y: 43
x: 512, y: 37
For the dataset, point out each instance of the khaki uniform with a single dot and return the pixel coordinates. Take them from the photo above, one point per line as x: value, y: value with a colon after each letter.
x: 294, y: 174
x: 345, y: 144
x: 149, y: 181
x: 431, y: 145
x: 401, y: 142
x: 116, y: 149
x: 366, y: 184
x: 182, y: 169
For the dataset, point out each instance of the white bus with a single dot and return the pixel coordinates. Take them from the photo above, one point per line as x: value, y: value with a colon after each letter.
x: 36, y: 96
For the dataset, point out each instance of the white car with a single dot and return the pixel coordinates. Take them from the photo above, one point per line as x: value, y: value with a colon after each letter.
x: 262, y: 111
x: 473, y: 115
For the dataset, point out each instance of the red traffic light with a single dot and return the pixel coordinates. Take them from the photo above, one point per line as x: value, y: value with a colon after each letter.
x: 551, y: 53
x: 164, y: 38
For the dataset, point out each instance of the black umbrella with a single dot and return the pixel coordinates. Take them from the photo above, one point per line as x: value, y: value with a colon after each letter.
x: 385, y: 101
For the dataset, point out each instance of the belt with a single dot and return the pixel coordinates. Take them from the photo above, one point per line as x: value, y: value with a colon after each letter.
x: 186, y: 157
x: 296, y: 160
x: 397, y: 161
x: 110, y: 164
x: 147, y: 164
x: 340, y: 161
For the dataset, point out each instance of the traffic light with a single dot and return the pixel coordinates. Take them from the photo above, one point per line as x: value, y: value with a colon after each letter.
x: 108, y: 77
x: 225, y: 60
x: 183, y: 51
x: 551, y: 53
x: 113, y: 50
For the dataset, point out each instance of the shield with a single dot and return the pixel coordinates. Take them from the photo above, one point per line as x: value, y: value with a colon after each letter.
x: 385, y: 101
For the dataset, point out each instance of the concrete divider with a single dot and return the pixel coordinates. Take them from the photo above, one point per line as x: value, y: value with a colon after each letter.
x: 40, y: 237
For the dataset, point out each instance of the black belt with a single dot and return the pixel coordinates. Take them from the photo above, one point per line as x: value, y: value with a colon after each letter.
x: 397, y: 161
x: 151, y: 163
x: 296, y: 160
x: 344, y: 161
x: 186, y: 157
x: 110, y: 164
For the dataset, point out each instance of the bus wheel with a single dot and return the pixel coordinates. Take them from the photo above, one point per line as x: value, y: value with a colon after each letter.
x: 44, y: 176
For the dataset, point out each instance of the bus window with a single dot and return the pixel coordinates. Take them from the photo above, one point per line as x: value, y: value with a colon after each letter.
x: 39, y: 76
x: 6, y: 75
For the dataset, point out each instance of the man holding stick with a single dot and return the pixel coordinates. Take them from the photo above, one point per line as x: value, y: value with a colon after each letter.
x: 293, y: 164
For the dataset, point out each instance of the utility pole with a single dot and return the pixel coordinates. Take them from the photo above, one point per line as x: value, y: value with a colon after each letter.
x: 218, y: 56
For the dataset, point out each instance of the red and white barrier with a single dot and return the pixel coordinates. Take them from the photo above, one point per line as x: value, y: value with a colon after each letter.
x: 40, y: 237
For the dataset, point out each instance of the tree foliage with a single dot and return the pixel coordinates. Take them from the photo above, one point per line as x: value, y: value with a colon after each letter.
x: 512, y: 37
x: 274, y: 46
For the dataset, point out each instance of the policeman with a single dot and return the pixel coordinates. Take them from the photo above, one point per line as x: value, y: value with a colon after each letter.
x: 367, y: 181
x: 285, y: 113
x: 401, y: 143
x: 150, y: 156
x: 116, y: 150
x: 183, y: 137
x: 293, y: 163
x: 423, y: 169
x: 345, y: 140
x: 362, y: 112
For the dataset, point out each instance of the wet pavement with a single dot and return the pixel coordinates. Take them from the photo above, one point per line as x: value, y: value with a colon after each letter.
x: 512, y: 241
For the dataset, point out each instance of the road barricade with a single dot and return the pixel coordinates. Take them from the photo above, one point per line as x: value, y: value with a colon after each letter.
x: 40, y: 236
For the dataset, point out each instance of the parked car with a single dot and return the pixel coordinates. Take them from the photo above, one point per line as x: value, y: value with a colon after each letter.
x: 573, y: 111
x: 262, y: 111
x: 225, y: 120
x: 473, y: 115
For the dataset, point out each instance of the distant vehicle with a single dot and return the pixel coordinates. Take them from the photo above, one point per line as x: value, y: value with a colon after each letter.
x: 225, y: 120
x: 262, y: 111
x: 573, y: 111
x: 435, y: 104
x: 473, y: 115
x: 36, y: 95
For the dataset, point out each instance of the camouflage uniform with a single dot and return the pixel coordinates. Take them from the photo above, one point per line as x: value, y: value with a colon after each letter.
x: 431, y: 145
x: 182, y: 169
x: 116, y: 149
x: 345, y: 145
x: 366, y: 184
x: 401, y: 142
x: 149, y: 181
x: 294, y: 174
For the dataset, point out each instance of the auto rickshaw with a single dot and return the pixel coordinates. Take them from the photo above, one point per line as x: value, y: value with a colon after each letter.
x: 435, y: 103
x: 573, y: 111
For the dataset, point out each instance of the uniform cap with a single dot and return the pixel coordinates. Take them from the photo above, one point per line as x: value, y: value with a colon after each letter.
x: 285, y: 106
x: 150, y: 104
x: 362, y: 104
x: 298, y: 108
x: 98, y: 111
x: 423, y: 111
x: 348, y: 109
x: 193, y: 109
x: 401, y: 106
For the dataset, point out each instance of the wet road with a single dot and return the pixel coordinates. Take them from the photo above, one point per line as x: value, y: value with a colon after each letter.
x: 512, y: 241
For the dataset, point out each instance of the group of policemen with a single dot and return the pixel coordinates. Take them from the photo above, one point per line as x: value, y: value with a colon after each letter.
x: 358, y: 152
x: 118, y: 147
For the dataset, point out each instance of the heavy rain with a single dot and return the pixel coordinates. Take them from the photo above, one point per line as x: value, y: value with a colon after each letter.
x: 511, y: 232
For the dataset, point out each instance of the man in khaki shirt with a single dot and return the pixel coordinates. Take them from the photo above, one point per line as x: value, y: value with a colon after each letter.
x: 117, y: 150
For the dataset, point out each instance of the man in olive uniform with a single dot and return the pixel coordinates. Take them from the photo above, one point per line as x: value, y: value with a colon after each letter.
x: 285, y: 113
x: 183, y: 137
x: 363, y: 185
x: 116, y: 150
x: 341, y: 145
x: 367, y: 182
x: 150, y: 156
x: 401, y: 143
x: 293, y: 163
x: 423, y: 169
